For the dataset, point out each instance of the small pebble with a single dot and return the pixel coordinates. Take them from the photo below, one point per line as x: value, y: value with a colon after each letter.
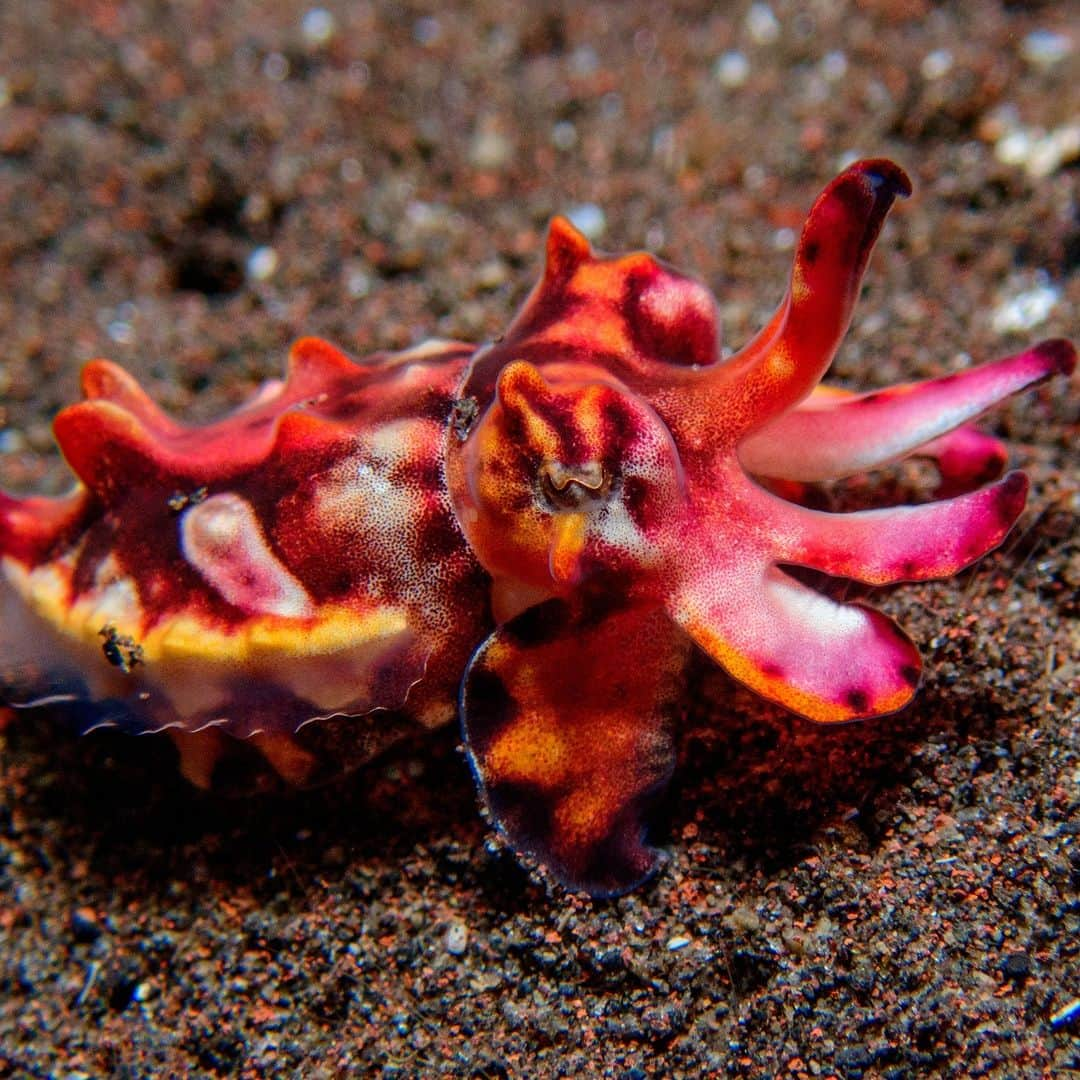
x: 256, y: 207
x: 762, y: 24
x: 318, y: 27
x: 1040, y: 153
x: 121, y: 331
x: 936, y: 64
x: 563, y: 135
x: 583, y: 60
x: 351, y: 170
x: 589, y: 219
x: 276, y: 67
x: 1016, y: 966
x: 12, y: 441
x: 743, y: 919
x: 1026, y: 310
x: 456, y: 938
x: 611, y: 106
x: 998, y: 122
x: 1014, y: 147
x: 357, y: 282
x: 676, y: 943
x: 834, y: 66
x: 489, y: 148
x: 262, y: 263
x: 491, y: 274
x: 1045, y: 48
x: 732, y: 69
x: 427, y: 30
x: 784, y: 239
x: 1057, y: 148
x: 665, y: 145
x: 754, y: 177
x: 85, y: 924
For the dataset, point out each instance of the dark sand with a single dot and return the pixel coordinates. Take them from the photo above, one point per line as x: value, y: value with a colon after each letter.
x: 898, y: 898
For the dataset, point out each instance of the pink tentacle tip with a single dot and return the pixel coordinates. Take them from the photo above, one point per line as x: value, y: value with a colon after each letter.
x: 1060, y: 355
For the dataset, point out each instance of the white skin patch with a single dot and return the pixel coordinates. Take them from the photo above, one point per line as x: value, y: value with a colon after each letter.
x: 656, y: 463
x: 222, y: 539
x: 381, y: 514
x: 667, y: 301
x: 117, y: 602
x: 813, y: 614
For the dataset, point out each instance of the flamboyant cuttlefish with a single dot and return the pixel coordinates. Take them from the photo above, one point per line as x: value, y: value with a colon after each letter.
x: 532, y: 534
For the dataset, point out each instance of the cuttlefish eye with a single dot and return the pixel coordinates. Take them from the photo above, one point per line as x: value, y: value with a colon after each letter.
x: 574, y: 488
x: 567, y: 475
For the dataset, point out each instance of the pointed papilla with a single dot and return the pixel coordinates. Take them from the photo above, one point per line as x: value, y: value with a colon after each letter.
x: 566, y: 250
x: 315, y: 366
x: 102, y: 380
x: 108, y: 447
x: 31, y: 526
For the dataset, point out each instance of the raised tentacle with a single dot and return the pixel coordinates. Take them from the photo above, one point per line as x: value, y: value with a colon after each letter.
x: 563, y: 711
x: 785, y: 360
x: 900, y: 543
x: 834, y: 434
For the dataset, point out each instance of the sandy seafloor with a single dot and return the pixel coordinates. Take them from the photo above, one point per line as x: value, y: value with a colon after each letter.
x: 187, y: 187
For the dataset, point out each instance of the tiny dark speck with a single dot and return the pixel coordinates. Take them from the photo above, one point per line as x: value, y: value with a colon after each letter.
x: 538, y: 626
x: 1016, y: 966
x: 487, y: 693
x: 463, y: 416
x: 858, y: 700
x: 810, y: 252
x: 910, y: 674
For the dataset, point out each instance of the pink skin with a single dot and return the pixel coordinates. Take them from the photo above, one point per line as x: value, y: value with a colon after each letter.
x: 571, y: 506
x: 964, y: 458
x: 834, y: 434
x: 828, y: 661
x: 720, y: 576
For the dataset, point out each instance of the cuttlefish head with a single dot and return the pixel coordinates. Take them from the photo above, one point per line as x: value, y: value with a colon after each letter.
x: 568, y: 479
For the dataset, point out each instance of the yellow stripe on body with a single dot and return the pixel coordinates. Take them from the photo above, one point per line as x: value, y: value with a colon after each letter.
x: 258, y: 639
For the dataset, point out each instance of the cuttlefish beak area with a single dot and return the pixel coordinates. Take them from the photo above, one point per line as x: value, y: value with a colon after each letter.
x: 566, y: 475
x: 573, y: 493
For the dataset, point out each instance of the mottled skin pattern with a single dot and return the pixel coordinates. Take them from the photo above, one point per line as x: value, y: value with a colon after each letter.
x: 561, y: 515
